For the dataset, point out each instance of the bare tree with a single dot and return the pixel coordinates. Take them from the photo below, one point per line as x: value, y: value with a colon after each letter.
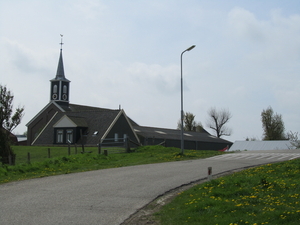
x: 189, y: 123
x: 217, y: 121
x: 8, y: 122
x: 293, y: 137
x: 272, y: 124
x: 251, y: 139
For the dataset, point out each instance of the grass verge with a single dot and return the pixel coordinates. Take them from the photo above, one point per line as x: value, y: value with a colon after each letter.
x: 263, y: 195
x: 63, y: 163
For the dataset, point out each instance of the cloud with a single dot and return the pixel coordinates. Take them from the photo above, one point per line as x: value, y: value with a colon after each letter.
x: 155, y: 77
x: 273, y: 40
x: 22, y: 59
x: 245, y: 25
x: 88, y: 9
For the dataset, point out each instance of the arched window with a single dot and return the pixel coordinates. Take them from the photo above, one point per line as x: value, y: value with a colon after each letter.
x: 65, y: 89
x: 55, y: 89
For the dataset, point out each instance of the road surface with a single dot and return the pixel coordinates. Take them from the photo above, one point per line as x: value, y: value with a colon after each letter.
x: 110, y: 196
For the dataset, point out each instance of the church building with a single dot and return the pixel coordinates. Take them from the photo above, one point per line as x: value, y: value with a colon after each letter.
x: 62, y: 123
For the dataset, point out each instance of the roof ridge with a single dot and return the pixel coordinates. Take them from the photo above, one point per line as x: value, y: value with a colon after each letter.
x: 87, y: 106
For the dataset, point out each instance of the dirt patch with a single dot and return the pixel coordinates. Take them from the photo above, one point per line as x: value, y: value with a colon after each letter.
x: 145, y: 216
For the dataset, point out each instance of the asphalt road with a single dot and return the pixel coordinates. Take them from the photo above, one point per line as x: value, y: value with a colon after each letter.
x: 110, y: 196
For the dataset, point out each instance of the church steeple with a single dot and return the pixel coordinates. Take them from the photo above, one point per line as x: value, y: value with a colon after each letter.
x: 60, y: 74
x: 60, y: 85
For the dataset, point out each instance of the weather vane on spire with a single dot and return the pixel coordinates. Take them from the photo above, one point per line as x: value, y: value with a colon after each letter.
x: 61, y: 43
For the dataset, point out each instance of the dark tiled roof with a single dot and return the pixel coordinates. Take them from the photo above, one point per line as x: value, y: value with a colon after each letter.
x: 95, y: 120
x: 163, y: 133
x: 79, y: 121
x: 46, y: 135
x: 81, y: 108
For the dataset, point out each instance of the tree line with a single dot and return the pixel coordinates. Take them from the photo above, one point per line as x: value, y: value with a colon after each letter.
x: 217, y: 120
x: 274, y: 129
x: 272, y: 124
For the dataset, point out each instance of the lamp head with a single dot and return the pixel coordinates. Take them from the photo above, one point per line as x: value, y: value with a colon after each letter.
x: 190, y: 48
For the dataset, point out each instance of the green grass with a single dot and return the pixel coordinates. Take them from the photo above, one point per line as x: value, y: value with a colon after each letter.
x: 267, y: 194
x: 62, y: 163
x: 40, y: 153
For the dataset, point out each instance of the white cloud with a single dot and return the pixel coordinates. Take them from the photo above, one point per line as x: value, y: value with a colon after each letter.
x: 245, y: 25
x: 88, y: 9
x: 154, y: 77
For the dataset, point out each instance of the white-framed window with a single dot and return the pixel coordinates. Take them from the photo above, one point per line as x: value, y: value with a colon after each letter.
x: 124, y: 137
x: 70, y: 136
x: 55, y: 89
x: 59, y: 136
x: 116, y: 137
x: 65, y: 89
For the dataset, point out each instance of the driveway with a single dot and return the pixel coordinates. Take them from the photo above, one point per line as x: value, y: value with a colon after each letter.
x: 110, y: 196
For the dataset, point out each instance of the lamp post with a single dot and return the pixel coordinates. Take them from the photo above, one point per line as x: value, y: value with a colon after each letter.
x: 182, y: 141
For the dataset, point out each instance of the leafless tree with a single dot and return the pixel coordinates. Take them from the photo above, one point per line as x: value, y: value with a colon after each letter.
x: 217, y: 121
x: 293, y: 137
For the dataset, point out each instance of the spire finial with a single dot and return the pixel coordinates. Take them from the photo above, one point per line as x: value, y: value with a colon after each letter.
x: 61, y: 43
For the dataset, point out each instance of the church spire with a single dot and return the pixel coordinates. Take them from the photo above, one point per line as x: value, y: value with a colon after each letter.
x: 60, y: 74
x: 60, y: 86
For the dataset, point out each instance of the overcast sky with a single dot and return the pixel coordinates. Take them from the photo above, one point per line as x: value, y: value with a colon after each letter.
x: 127, y: 53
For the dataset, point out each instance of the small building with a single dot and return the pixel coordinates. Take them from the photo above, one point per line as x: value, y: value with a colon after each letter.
x: 172, y: 138
x: 62, y: 123
x: 22, y: 139
x: 261, y: 145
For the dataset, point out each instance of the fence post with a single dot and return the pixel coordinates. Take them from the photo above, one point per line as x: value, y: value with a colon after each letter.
x: 82, y: 141
x: 75, y: 148
x: 28, y: 157
x: 105, y: 152
x: 127, y: 146
x: 99, y: 148
x: 9, y: 159
x: 209, y: 173
x: 69, y: 149
x: 49, y: 153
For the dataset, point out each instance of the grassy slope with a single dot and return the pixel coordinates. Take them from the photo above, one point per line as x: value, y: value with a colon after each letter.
x: 61, y: 163
x: 263, y: 195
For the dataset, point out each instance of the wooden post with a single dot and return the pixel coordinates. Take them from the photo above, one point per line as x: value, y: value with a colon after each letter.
x: 75, y: 148
x: 49, y: 156
x: 82, y: 141
x: 99, y: 148
x: 28, y: 157
x: 69, y: 149
x: 127, y: 145
x: 105, y: 152
x: 209, y: 173
x: 9, y: 159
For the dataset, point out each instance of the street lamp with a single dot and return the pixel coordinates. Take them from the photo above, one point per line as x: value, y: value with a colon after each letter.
x: 182, y: 141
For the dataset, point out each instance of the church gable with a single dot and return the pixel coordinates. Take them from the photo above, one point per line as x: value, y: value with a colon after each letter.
x: 121, y: 128
x: 38, y: 122
x: 65, y: 121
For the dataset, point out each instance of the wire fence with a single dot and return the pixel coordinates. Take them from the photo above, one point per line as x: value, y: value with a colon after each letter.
x: 31, y: 154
